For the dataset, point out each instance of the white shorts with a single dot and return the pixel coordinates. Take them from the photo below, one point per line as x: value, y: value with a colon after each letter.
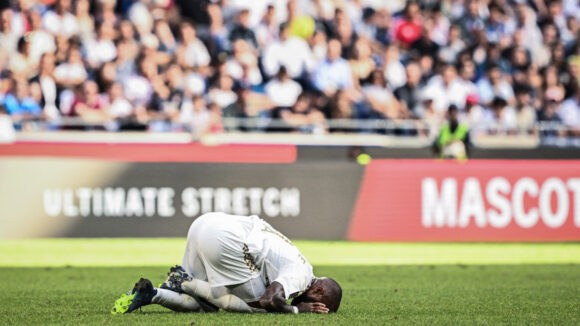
x: 217, y: 250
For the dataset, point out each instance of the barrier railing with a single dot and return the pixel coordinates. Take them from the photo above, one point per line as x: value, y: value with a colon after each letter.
x: 403, y: 127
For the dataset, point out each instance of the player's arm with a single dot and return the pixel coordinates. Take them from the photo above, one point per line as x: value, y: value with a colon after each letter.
x: 274, y: 300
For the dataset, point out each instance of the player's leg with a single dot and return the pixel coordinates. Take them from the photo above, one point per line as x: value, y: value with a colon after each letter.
x: 144, y: 294
x: 168, y: 295
x: 179, y: 302
x: 219, y: 296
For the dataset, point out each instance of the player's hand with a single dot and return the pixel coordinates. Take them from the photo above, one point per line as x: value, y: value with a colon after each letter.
x: 314, y: 307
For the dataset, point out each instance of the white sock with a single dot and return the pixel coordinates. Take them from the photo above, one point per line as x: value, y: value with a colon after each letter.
x: 219, y: 296
x: 180, y: 302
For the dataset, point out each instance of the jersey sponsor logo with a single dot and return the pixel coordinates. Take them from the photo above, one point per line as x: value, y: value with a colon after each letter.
x: 164, y: 201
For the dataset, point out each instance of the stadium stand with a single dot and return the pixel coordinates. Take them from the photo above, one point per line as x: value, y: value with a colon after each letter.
x: 391, y: 68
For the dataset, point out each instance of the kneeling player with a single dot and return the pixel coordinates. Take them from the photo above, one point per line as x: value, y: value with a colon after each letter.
x: 239, y: 264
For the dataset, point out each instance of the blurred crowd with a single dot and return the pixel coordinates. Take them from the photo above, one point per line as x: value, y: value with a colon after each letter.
x: 165, y: 65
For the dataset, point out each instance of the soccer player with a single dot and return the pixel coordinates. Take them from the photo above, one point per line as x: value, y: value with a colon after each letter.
x: 239, y: 264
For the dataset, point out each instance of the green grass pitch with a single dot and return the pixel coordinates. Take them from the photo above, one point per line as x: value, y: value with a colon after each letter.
x: 75, y: 281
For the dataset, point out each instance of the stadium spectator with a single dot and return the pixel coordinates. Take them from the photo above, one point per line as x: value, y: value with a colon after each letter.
x: 302, y: 116
x: 289, y: 51
x: 127, y: 35
x: 242, y: 31
x: 318, y: 44
x: 267, y: 30
x: 243, y: 64
x: 8, y: 37
x: 333, y: 73
x: 569, y: 113
x: 361, y: 62
x: 192, y: 53
x: 167, y: 44
x: 381, y: 101
x: 44, y: 87
x: 217, y: 31
x: 494, y: 85
x: 84, y: 19
x: 102, y: 48
x: 497, y: 27
x: 447, y: 88
x: 88, y: 104
x: 118, y: 106
x: 19, y: 103
x: 473, y: 114
x: 283, y: 91
x: 450, y: 49
x: 525, y: 114
x: 408, y: 28
x: 340, y: 107
x: 472, y: 20
x: 21, y: 63
x: 501, y: 118
x: 222, y: 92
x: 138, y: 86
x: 71, y: 72
x: 60, y: 21
x: 196, y: 115
x: 40, y: 41
x: 409, y: 94
x: 21, y: 12
x: 441, y: 25
x: 553, y: 88
x: 394, y: 69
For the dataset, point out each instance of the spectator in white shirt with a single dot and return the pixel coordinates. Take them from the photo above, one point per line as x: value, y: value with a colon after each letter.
x: 447, y: 89
x: 40, y: 40
x: 85, y: 21
x: 138, y: 87
x: 243, y: 65
x: 72, y: 72
x: 268, y: 29
x: 8, y: 38
x: 20, y: 22
x: 195, y: 115
x: 222, y: 94
x: 394, y: 69
x: 501, y: 118
x: 291, y: 52
x: 60, y: 21
x: 192, y: 53
x: 282, y: 90
x: 119, y: 107
x: 102, y: 49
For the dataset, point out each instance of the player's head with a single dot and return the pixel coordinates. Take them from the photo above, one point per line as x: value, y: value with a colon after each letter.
x: 325, y: 290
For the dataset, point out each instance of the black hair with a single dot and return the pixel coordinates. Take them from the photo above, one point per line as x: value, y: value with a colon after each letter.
x: 332, y: 294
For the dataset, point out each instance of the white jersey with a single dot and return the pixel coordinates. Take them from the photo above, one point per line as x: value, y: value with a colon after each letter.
x: 227, y: 250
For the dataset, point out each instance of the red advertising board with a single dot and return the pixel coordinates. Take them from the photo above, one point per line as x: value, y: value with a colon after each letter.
x: 479, y: 200
x: 162, y: 152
